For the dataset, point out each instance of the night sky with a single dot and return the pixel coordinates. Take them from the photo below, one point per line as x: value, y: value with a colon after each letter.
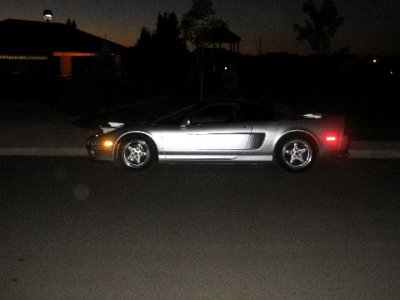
x: 371, y: 26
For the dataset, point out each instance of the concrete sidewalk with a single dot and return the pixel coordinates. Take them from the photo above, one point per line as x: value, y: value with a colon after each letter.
x: 374, y: 149
x: 58, y: 137
x: 42, y: 138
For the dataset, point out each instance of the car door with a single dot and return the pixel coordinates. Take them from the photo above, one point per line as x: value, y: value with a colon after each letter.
x: 210, y: 133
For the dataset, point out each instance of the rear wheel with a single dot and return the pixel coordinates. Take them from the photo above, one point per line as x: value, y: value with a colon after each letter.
x: 136, y: 153
x: 296, y: 153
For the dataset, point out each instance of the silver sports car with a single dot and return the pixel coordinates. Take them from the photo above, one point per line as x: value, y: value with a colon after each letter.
x: 224, y: 131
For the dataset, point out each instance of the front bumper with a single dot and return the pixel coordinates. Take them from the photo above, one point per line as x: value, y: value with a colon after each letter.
x: 95, y: 152
x: 100, y: 155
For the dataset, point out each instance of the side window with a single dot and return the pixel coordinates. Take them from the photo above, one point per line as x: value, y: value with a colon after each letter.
x: 248, y: 114
x: 255, y: 113
x: 214, y: 114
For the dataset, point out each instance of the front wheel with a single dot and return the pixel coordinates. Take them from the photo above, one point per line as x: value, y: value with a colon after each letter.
x: 295, y: 154
x: 136, y: 153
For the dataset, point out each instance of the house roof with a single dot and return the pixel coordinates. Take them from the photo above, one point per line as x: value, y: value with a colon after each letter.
x: 44, y: 37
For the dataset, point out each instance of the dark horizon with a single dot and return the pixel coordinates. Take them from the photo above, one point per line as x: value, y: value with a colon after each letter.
x: 370, y: 28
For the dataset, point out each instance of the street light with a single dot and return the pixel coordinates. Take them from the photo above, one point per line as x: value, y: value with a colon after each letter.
x: 47, y: 15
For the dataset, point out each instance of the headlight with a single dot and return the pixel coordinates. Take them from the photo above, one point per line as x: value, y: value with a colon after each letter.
x: 108, y: 143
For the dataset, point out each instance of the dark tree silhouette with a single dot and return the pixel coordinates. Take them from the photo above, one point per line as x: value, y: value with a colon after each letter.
x: 321, y: 26
x: 170, y: 52
x: 145, y: 38
x: 200, y: 27
x: 158, y: 57
x: 138, y: 61
x: 318, y: 31
x: 71, y: 23
x: 167, y: 30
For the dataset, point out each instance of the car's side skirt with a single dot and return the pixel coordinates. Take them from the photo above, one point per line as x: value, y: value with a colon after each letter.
x: 214, y: 157
x: 255, y: 158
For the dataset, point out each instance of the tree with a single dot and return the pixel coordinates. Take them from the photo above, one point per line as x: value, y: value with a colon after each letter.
x: 321, y: 26
x: 70, y: 23
x: 170, y: 52
x: 145, y: 38
x: 199, y: 27
x: 138, y: 61
x: 167, y: 29
x: 319, y: 30
x: 157, y: 60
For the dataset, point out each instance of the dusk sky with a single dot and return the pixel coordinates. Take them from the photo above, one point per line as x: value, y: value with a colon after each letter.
x: 370, y: 27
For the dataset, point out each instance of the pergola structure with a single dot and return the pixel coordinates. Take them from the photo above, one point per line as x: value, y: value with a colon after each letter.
x: 226, y: 37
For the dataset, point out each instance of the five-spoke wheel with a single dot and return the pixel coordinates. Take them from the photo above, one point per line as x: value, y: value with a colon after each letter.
x: 136, y: 153
x: 295, y: 154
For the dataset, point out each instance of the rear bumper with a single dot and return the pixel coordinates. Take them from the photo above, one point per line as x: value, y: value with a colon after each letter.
x: 342, y: 151
x: 337, y: 153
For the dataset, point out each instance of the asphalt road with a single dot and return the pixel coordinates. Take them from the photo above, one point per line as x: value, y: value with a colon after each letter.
x: 76, y: 229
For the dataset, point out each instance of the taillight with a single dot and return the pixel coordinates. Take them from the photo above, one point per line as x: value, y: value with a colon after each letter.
x: 331, y: 138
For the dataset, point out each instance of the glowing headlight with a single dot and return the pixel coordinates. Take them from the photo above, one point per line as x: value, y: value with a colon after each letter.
x: 108, y: 143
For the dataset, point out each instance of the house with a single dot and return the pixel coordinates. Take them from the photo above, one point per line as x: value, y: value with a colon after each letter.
x: 31, y: 48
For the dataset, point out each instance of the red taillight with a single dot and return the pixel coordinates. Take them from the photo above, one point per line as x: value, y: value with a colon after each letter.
x: 330, y: 138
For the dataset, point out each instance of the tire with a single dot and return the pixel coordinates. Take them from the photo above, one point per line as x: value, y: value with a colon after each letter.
x: 296, y: 153
x: 136, y: 152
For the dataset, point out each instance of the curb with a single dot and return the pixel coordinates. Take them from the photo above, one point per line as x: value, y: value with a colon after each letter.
x: 385, y: 154
x: 38, y: 151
